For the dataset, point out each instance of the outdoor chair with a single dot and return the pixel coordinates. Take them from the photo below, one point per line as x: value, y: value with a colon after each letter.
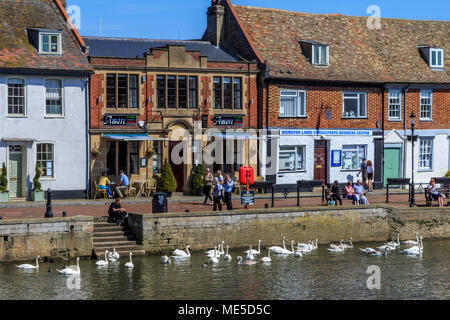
x: 130, y: 191
x: 97, y: 191
x: 150, y: 187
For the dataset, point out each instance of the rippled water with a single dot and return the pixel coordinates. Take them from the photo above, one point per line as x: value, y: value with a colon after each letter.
x: 320, y: 275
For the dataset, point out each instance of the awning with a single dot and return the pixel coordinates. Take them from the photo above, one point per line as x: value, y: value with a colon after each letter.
x: 132, y: 137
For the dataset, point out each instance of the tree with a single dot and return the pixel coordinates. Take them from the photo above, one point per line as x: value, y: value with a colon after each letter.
x: 447, y: 175
x: 3, y: 179
x: 37, y: 175
x: 197, y: 178
x: 167, y: 182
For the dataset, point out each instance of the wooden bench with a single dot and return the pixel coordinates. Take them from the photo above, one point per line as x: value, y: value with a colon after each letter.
x: 397, y: 182
x: 445, y: 190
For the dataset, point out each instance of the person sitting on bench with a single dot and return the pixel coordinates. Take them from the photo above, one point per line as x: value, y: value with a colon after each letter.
x: 350, y: 192
x: 335, y: 193
x: 361, y: 193
x: 116, y: 213
x: 432, y: 189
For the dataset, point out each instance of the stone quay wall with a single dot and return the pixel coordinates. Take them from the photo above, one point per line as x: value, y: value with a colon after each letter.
x: 58, y: 237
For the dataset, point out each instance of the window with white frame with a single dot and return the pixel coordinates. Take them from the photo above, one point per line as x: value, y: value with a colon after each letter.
x: 352, y: 156
x: 395, y: 103
x: 53, y: 97
x: 320, y: 54
x: 292, y: 103
x: 45, y: 158
x: 355, y: 105
x: 436, y: 58
x: 426, y: 104
x: 50, y: 43
x: 16, y: 97
x: 425, y: 154
x: 292, y: 158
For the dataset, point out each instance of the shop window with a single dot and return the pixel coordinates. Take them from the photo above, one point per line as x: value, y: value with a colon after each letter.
x: 355, y: 105
x: 352, y: 156
x: 134, y: 157
x: 157, y: 157
x: 53, y: 97
x: 16, y: 97
x: 111, y: 158
x: 292, y: 158
x: 45, y: 159
x: 122, y: 90
x: 122, y: 155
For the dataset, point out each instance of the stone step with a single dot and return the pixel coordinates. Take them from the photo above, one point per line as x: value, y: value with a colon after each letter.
x: 101, y: 234
x: 115, y: 239
x: 101, y: 250
x: 112, y: 244
x: 110, y: 228
x: 123, y: 253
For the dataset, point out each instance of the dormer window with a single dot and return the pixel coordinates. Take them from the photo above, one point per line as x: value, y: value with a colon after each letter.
x: 436, y: 58
x: 50, y: 43
x: 320, y: 55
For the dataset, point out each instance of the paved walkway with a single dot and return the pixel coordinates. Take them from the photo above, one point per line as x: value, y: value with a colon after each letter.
x: 178, y: 204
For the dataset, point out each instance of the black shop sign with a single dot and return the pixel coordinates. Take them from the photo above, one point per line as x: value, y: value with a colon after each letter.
x: 228, y: 121
x: 119, y: 120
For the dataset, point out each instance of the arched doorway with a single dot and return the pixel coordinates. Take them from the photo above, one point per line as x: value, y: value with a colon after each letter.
x: 176, y: 137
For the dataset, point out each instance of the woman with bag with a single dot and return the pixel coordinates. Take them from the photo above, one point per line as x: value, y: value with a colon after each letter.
x: 208, y: 186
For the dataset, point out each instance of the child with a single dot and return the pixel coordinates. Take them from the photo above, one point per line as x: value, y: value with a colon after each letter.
x: 370, y: 175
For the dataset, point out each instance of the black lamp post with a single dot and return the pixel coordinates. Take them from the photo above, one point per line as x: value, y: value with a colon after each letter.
x: 413, y: 123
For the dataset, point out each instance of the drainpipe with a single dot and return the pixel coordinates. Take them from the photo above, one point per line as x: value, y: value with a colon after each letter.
x: 383, y: 107
x: 405, y: 142
x: 88, y: 147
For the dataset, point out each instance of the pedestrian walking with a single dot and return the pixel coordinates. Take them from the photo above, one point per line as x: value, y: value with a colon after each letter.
x: 370, y: 173
x: 208, y: 186
x: 228, y: 192
x: 217, y: 195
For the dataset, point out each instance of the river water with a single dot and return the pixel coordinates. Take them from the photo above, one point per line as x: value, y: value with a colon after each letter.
x: 319, y: 275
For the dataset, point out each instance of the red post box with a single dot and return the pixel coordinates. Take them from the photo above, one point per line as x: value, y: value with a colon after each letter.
x: 246, y: 173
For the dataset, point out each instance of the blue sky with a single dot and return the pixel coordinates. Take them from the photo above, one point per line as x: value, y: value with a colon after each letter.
x: 186, y: 19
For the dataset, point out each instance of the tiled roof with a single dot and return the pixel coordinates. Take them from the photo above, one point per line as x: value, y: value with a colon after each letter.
x: 357, y: 53
x: 16, y: 51
x: 132, y: 48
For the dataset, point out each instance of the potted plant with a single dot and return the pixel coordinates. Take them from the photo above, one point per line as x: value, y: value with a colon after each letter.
x: 4, y: 193
x: 36, y: 194
x: 197, y: 180
x: 167, y: 182
x: 96, y: 151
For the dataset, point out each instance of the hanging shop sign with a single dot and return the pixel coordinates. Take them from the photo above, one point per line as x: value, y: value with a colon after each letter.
x: 119, y: 120
x: 228, y: 121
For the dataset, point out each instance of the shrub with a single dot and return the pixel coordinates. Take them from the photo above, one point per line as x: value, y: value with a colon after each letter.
x: 447, y: 175
x: 167, y: 182
x: 37, y: 175
x: 3, y: 179
x: 197, y: 178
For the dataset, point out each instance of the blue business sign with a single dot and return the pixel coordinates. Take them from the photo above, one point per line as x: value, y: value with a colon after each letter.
x: 309, y: 132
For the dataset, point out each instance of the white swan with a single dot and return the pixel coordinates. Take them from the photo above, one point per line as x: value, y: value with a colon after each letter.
x: 71, y: 271
x: 253, y: 251
x: 221, y: 252
x: 337, y: 249
x: 181, y: 254
x: 416, y: 250
x: 307, y: 246
x: 210, y: 253
x: 113, y: 256
x: 298, y: 253
x: 214, y: 259
x: 165, y: 260
x: 249, y: 255
x: 348, y: 246
x: 415, y: 243
x: 116, y: 255
x: 368, y: 250
x: 393, y: 243
x: 130, y: 263
x: 279, y: 250
x: 388, y: 247
x: 379, y: 253
x: 30, y: 266
x: 267, y: 259
x: 246, y: 263
x: 227, y: 256
x: 103, y: 262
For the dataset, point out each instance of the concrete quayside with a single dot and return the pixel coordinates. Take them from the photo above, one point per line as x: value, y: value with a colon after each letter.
x: 162, y: 233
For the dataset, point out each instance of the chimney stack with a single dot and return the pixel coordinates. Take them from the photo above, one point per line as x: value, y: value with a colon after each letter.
x: 216, y: 23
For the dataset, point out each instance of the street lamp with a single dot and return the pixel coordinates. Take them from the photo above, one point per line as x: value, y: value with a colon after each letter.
x: 413, y: 124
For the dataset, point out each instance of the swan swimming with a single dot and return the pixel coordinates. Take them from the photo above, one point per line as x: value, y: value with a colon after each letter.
x: 214, y: 259
x: 337, y: 249
x: 165, y: 260
x: 71, y: 271
x: 416, y: 250
x: 249, y: 255
x: 379, y: 253
x: 348, y: 246
x: 30, y: 266
x: 130, y: 263
x: 181, y: 254
x: 267, y: 259
x: 245, y: 263
x: 277, y: 249
x: 255, y: 252
x: 415, y: 243
x: 227, y: 256
x: 103, y: 262
x: 298, y: 253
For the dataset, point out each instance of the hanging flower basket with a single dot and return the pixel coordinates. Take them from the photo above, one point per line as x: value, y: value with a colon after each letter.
x: 150, y: 152
x: 96, y: 153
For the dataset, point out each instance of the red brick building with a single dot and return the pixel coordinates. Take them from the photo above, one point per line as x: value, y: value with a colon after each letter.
x: 143, y: 91
x: 333, y: 90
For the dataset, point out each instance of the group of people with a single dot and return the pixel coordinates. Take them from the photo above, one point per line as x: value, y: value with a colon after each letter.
x: 222, y: 190
x: 104, y: 183
x: 356, y: 192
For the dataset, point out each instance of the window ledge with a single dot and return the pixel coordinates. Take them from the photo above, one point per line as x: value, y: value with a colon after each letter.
x: 18, y: 116
x: 289, y: 117
x: 425, y: 170
x: 426, y: 120
x: 395, y: 120
x: 54, y: 117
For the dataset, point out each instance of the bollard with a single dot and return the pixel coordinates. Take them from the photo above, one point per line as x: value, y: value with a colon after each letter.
x: 266, y: 206
x: 64, y: 214
x: 49, y: 212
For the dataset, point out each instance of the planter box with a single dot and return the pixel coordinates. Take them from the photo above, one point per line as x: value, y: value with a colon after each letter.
x: 4, y: 196
x: 37, y: 196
